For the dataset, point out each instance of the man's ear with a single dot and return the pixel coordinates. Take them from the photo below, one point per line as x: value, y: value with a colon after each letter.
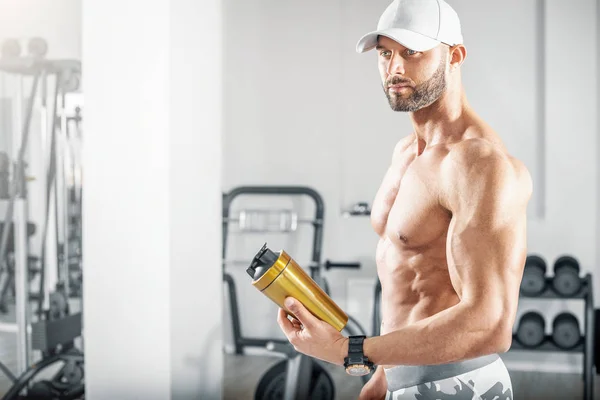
x: 458, y: 54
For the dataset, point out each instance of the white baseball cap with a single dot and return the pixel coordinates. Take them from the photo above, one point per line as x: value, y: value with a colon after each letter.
x: 419, y: 25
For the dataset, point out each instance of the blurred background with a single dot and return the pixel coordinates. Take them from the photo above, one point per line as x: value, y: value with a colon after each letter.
x: 210, y: 128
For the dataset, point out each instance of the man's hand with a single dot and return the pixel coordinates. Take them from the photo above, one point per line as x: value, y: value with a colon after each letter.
x: 311, y: 336
x: 376, y: 388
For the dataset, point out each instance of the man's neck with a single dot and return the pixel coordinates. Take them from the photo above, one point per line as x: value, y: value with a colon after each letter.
x: 442, y: 121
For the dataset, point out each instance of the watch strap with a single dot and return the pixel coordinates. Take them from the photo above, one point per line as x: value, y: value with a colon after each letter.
x: 355, y: 351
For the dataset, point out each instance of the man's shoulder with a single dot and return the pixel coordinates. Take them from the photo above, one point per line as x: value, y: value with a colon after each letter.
x: 481, y: 162
x: 477, y: 153
x: 403, y: 144
x: 484, y: 156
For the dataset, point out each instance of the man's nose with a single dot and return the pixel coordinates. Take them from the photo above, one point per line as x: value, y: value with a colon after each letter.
x: 395, y: 65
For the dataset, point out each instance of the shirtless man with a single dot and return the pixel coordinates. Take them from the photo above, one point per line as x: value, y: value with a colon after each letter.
x: 451, y: 217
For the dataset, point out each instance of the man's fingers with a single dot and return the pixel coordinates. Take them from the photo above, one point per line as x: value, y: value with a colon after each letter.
x: 296, y: 323
x: 286, y: 325
x: 303, y: 315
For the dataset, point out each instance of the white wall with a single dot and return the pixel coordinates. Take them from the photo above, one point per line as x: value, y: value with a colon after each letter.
x: 152, y: 243
x: 303, y: 108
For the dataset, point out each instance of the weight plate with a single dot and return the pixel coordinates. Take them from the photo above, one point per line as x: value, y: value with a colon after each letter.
x: 272, y: 385
x: 321, y: 385
x: 69, y: 376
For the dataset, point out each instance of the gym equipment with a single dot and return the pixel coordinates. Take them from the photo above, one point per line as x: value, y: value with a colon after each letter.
x: 33, y: 269
x: 377, y: 310
x: 16, y: 213
x: 531, y: 329
x: 54, y: 336
x: 566, y: 281
x: 4, y: 175
x: 67, y: 384
x: 278, y: 276
x: 303, y: 377
x: 585, y: 344
x: 37, y: 47
x: 565, y: 331
x: 358, y: 209
x: 273, y: 383
x: 534, y: 276
x: 19, y: 265
x: 596, y: 341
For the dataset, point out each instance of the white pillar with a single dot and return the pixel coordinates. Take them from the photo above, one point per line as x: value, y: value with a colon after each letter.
x: 152, y: 199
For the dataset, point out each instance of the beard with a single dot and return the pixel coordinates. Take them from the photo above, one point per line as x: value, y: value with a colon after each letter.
x: 422, y: 95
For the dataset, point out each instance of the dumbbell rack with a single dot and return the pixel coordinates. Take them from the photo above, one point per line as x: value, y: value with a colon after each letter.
x: 586, y: 342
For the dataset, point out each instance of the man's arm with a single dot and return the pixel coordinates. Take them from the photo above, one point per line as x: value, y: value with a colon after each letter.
x: 486, y: 250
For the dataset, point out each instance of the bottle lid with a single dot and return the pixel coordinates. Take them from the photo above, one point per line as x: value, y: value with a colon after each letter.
x: 266, y: 267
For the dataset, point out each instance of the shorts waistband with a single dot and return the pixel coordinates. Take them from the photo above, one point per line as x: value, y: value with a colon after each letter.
x: 404, y: 376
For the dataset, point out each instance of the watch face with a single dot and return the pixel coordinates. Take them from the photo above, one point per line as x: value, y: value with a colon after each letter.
x: 357, y: 370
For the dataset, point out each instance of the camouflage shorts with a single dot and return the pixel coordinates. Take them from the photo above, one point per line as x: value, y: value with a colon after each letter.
x: 484, y: 378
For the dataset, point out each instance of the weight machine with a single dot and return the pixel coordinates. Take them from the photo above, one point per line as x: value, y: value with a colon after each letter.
x: 56, y: 328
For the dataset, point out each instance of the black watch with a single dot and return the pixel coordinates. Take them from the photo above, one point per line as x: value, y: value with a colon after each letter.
x: 356, y: 363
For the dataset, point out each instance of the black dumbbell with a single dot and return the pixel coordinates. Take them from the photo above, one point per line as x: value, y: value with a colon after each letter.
x: 531, y: 329
x: 534, y: 276
x: 566, y: 281
x: 565, y: 331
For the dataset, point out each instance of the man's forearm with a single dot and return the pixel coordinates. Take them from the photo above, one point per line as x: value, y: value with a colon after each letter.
x: 455, y: 334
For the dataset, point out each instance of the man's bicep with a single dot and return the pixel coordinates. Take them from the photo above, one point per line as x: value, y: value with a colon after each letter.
x: 487, y: 238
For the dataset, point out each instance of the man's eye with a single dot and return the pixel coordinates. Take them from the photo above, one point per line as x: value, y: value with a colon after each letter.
x: 385, y: 53
x: 411, y: 52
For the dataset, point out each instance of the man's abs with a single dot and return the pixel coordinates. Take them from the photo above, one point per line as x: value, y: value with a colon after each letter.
x: 411, y: 254
x: 415, y: 284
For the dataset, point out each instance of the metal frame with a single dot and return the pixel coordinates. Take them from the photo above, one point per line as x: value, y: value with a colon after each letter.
x: 299, y: 367
x: 377, y: 310
x: 239, y: 340
x: 589, y: 327
x: 16, y: 211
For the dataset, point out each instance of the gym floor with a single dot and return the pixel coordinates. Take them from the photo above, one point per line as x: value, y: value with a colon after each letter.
x: 243, y: 372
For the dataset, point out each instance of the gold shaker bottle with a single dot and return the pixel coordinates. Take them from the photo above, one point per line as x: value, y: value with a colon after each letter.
x: 278, y: 276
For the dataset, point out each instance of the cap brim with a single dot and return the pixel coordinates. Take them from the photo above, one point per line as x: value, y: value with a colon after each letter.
x: 412, y: 40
